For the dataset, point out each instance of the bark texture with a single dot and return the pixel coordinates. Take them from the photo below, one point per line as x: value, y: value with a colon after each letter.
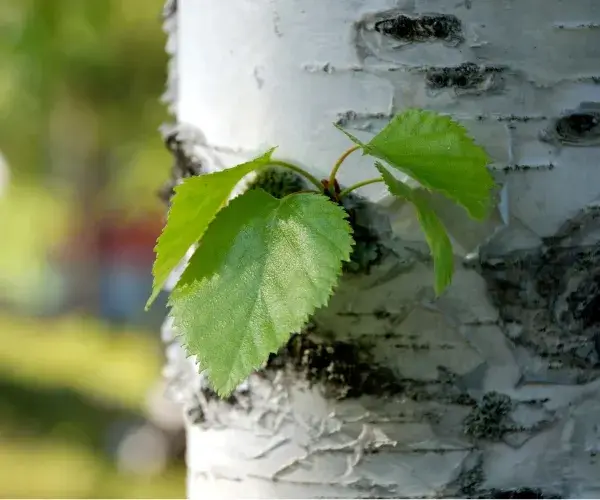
x: 491, y: 390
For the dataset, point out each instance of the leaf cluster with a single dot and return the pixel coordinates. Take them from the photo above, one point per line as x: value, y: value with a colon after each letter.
x: 263, y: 265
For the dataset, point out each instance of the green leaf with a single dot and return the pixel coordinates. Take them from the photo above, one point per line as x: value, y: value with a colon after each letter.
x: 435, y: 233
x: 195, y: 204
x: 438, y: 153
x: 261, y: 270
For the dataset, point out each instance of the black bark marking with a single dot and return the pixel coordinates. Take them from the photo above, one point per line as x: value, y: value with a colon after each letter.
x: 488, y: 419
x: 345, y: 370
x: 278, y: 182
x: 465, y: 76
x: 431, y: 27
x: 579, y: 127
x: 519, y: 493
x: 348, y: 370
x: 369, y: 245
x: 184, y: 163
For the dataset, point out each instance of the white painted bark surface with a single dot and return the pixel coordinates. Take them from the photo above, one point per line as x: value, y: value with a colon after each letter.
x: 256, y: 74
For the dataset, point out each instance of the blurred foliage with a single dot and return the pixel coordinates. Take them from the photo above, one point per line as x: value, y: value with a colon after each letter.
x: 23, y: 252
x: 76, y: 74
x: 69, y: 470
x: 58, y: 403
x: 86, y: 356
x: 80, y: 87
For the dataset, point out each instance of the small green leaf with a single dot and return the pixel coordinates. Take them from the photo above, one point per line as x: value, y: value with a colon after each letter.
x: 438, y: 153
x: 194, y: 205
x: 262, y: 268
x: 435, y: 233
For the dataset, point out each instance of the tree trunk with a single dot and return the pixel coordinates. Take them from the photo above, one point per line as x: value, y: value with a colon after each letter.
x: 490, y: 390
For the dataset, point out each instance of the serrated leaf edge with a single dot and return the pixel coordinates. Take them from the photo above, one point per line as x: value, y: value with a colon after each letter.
x: 157, y: 288
x: 449, y: 121
x: 320, y: 302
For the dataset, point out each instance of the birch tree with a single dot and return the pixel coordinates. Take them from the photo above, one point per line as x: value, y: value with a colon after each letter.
x: 489, y: 390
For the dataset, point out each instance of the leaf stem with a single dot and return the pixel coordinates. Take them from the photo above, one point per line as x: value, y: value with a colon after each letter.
x: 360, y: 184
x: 338, y: 164
x: 300, y: 171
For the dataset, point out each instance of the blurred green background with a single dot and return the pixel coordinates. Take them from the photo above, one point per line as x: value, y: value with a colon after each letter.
x: 82, y: 411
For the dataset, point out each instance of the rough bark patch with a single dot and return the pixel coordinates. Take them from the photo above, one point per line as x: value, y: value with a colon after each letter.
x: 549, y: 298
x: 488, y: 420
x: 470, y: 484
x: 185, y: 164
x: 348, y: 370
x: 343, y: 369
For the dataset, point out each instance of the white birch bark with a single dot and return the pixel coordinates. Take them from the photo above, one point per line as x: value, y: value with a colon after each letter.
x: 490, y: 390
